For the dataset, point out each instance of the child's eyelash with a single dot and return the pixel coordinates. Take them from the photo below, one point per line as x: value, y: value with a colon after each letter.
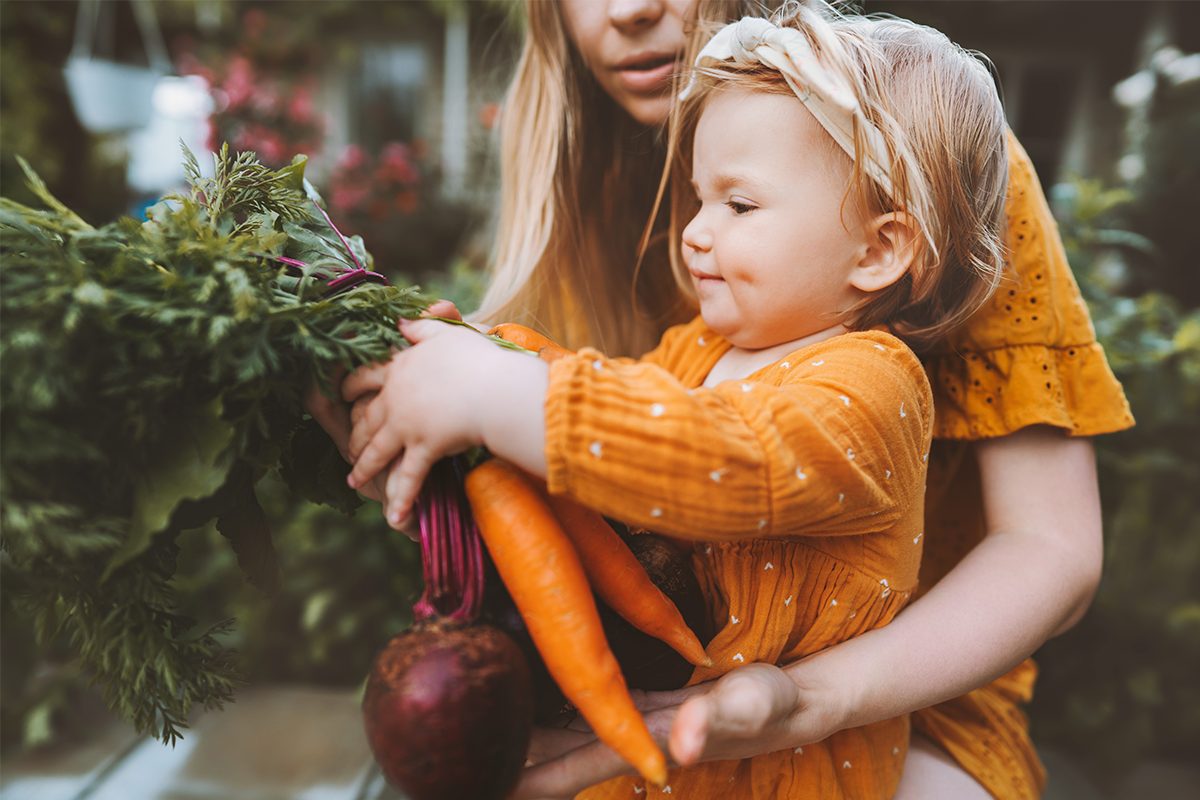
x: 739, y: 208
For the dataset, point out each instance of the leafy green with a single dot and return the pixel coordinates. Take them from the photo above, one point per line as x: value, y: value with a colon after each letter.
x: 153, y: 373
x: 1121, y: 686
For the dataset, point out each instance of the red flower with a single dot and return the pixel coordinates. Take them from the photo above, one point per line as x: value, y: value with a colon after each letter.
x: 349, y: 199
x: 239, y: 82
x: 300, y: 105
x: 396, y: 164
x: 352, y: 158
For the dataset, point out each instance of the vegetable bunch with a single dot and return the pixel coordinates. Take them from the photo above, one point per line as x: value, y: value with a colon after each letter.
x: 152, y: 373
x: 453, y: 691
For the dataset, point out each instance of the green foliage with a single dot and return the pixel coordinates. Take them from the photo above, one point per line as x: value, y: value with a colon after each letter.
x: 153, y: 373
x: 348, y: 585
x: 1122, y: 685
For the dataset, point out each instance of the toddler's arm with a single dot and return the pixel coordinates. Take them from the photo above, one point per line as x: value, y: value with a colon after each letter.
x: 835, y: 443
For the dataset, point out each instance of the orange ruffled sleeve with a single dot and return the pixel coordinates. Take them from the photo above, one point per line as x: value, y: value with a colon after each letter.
x: 1030, y: 356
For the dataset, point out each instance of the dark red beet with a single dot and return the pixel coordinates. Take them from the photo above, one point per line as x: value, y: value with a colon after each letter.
x: 449, y: 706
x: 449, y: 712
x: 646, y: 662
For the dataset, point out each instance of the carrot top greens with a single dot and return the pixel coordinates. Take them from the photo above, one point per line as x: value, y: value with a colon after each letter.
x: 153, y: 372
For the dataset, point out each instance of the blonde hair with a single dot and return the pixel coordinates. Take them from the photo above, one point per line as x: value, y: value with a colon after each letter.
x: 578, y: 179
x: 941, y: 118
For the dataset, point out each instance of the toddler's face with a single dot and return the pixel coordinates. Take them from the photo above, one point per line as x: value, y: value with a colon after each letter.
x: 772, y: 247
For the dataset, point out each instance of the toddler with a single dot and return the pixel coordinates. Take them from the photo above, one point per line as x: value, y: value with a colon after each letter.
x: 837, y: 198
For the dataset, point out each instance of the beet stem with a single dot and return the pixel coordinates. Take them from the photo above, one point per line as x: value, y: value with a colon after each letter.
x: 345, y: 243
x: 451, y: 550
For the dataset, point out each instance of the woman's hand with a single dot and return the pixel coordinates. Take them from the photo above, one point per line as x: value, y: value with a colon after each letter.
x: 752, y: 710
x: 336, y: 418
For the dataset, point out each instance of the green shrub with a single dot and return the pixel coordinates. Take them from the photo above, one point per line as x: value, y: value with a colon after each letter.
x: 1122, y: 686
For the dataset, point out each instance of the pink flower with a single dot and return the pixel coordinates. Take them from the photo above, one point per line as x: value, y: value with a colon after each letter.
x: 349, y: 198
x: 352, y: 158
x: 267, y: 100
x: 396, y: 164
x: 239, y: 81
x: 300, y: 105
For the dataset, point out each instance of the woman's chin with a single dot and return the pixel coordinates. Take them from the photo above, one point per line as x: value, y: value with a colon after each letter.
x: 648, y: 110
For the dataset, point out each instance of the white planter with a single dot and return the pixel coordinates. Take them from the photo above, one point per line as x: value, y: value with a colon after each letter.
x: 108, y: 96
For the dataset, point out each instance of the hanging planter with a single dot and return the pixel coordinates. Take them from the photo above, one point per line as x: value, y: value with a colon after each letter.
x: 109, y: 96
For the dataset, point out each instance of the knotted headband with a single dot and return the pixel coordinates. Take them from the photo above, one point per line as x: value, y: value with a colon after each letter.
x: 827, y: 95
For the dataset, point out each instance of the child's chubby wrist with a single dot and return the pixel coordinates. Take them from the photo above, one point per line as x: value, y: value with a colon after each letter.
x: 514, y: 392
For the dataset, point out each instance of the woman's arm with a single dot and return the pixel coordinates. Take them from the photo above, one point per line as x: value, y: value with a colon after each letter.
x: 1031, y: 578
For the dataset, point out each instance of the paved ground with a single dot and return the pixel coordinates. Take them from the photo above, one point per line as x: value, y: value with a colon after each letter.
x: 307, y: 744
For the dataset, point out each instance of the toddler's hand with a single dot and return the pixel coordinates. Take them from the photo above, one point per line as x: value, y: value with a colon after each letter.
x: 427, y: 407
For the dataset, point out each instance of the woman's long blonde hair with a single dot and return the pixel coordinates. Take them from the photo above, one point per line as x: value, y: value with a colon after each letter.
x: 578, y: 179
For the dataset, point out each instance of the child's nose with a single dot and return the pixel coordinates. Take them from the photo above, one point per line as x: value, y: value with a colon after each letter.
x: 697, y: 236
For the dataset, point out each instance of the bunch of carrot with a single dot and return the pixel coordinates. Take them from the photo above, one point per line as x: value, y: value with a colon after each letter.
x: 552, y: 554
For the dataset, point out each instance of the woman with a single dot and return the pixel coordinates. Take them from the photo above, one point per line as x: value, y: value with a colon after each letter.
x: 1012, y: 479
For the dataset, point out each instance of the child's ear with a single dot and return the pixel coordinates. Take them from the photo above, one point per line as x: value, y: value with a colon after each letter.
x: 893, y: 241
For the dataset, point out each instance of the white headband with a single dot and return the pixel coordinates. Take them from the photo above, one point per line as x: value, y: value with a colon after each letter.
x: 753, y: 40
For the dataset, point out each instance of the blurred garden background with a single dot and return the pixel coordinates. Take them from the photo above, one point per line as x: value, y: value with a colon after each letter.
x: 396, y: 102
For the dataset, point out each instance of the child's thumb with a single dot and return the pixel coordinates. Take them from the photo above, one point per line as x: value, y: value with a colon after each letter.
x: 418, y: 330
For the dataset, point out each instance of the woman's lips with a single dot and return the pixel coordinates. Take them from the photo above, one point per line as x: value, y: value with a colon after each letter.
x: 647, y: 74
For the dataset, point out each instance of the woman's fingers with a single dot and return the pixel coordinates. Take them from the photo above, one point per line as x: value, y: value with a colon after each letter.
x: 570, y: 773
x: 652, y: 701
x: 359, y: 409
x: 573, y: 770
x: 332, y: 415
x: 549, y: 743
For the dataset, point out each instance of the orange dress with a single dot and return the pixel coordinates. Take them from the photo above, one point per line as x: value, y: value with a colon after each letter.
x: 802, y: 488
x: 1029, y: 357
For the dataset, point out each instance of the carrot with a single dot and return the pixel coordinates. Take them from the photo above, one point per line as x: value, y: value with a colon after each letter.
x: 619, y: 578
x: 547, y: 349
x: 541, y: 569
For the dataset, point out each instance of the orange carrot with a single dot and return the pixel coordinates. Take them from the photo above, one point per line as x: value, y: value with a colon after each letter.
x: 541, y: 569
x: 547, y: 349
x: 619, y: 578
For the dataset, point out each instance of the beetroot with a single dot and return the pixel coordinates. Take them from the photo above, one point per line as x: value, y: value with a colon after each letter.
x: 449, y: 711
x: 449, y: 704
